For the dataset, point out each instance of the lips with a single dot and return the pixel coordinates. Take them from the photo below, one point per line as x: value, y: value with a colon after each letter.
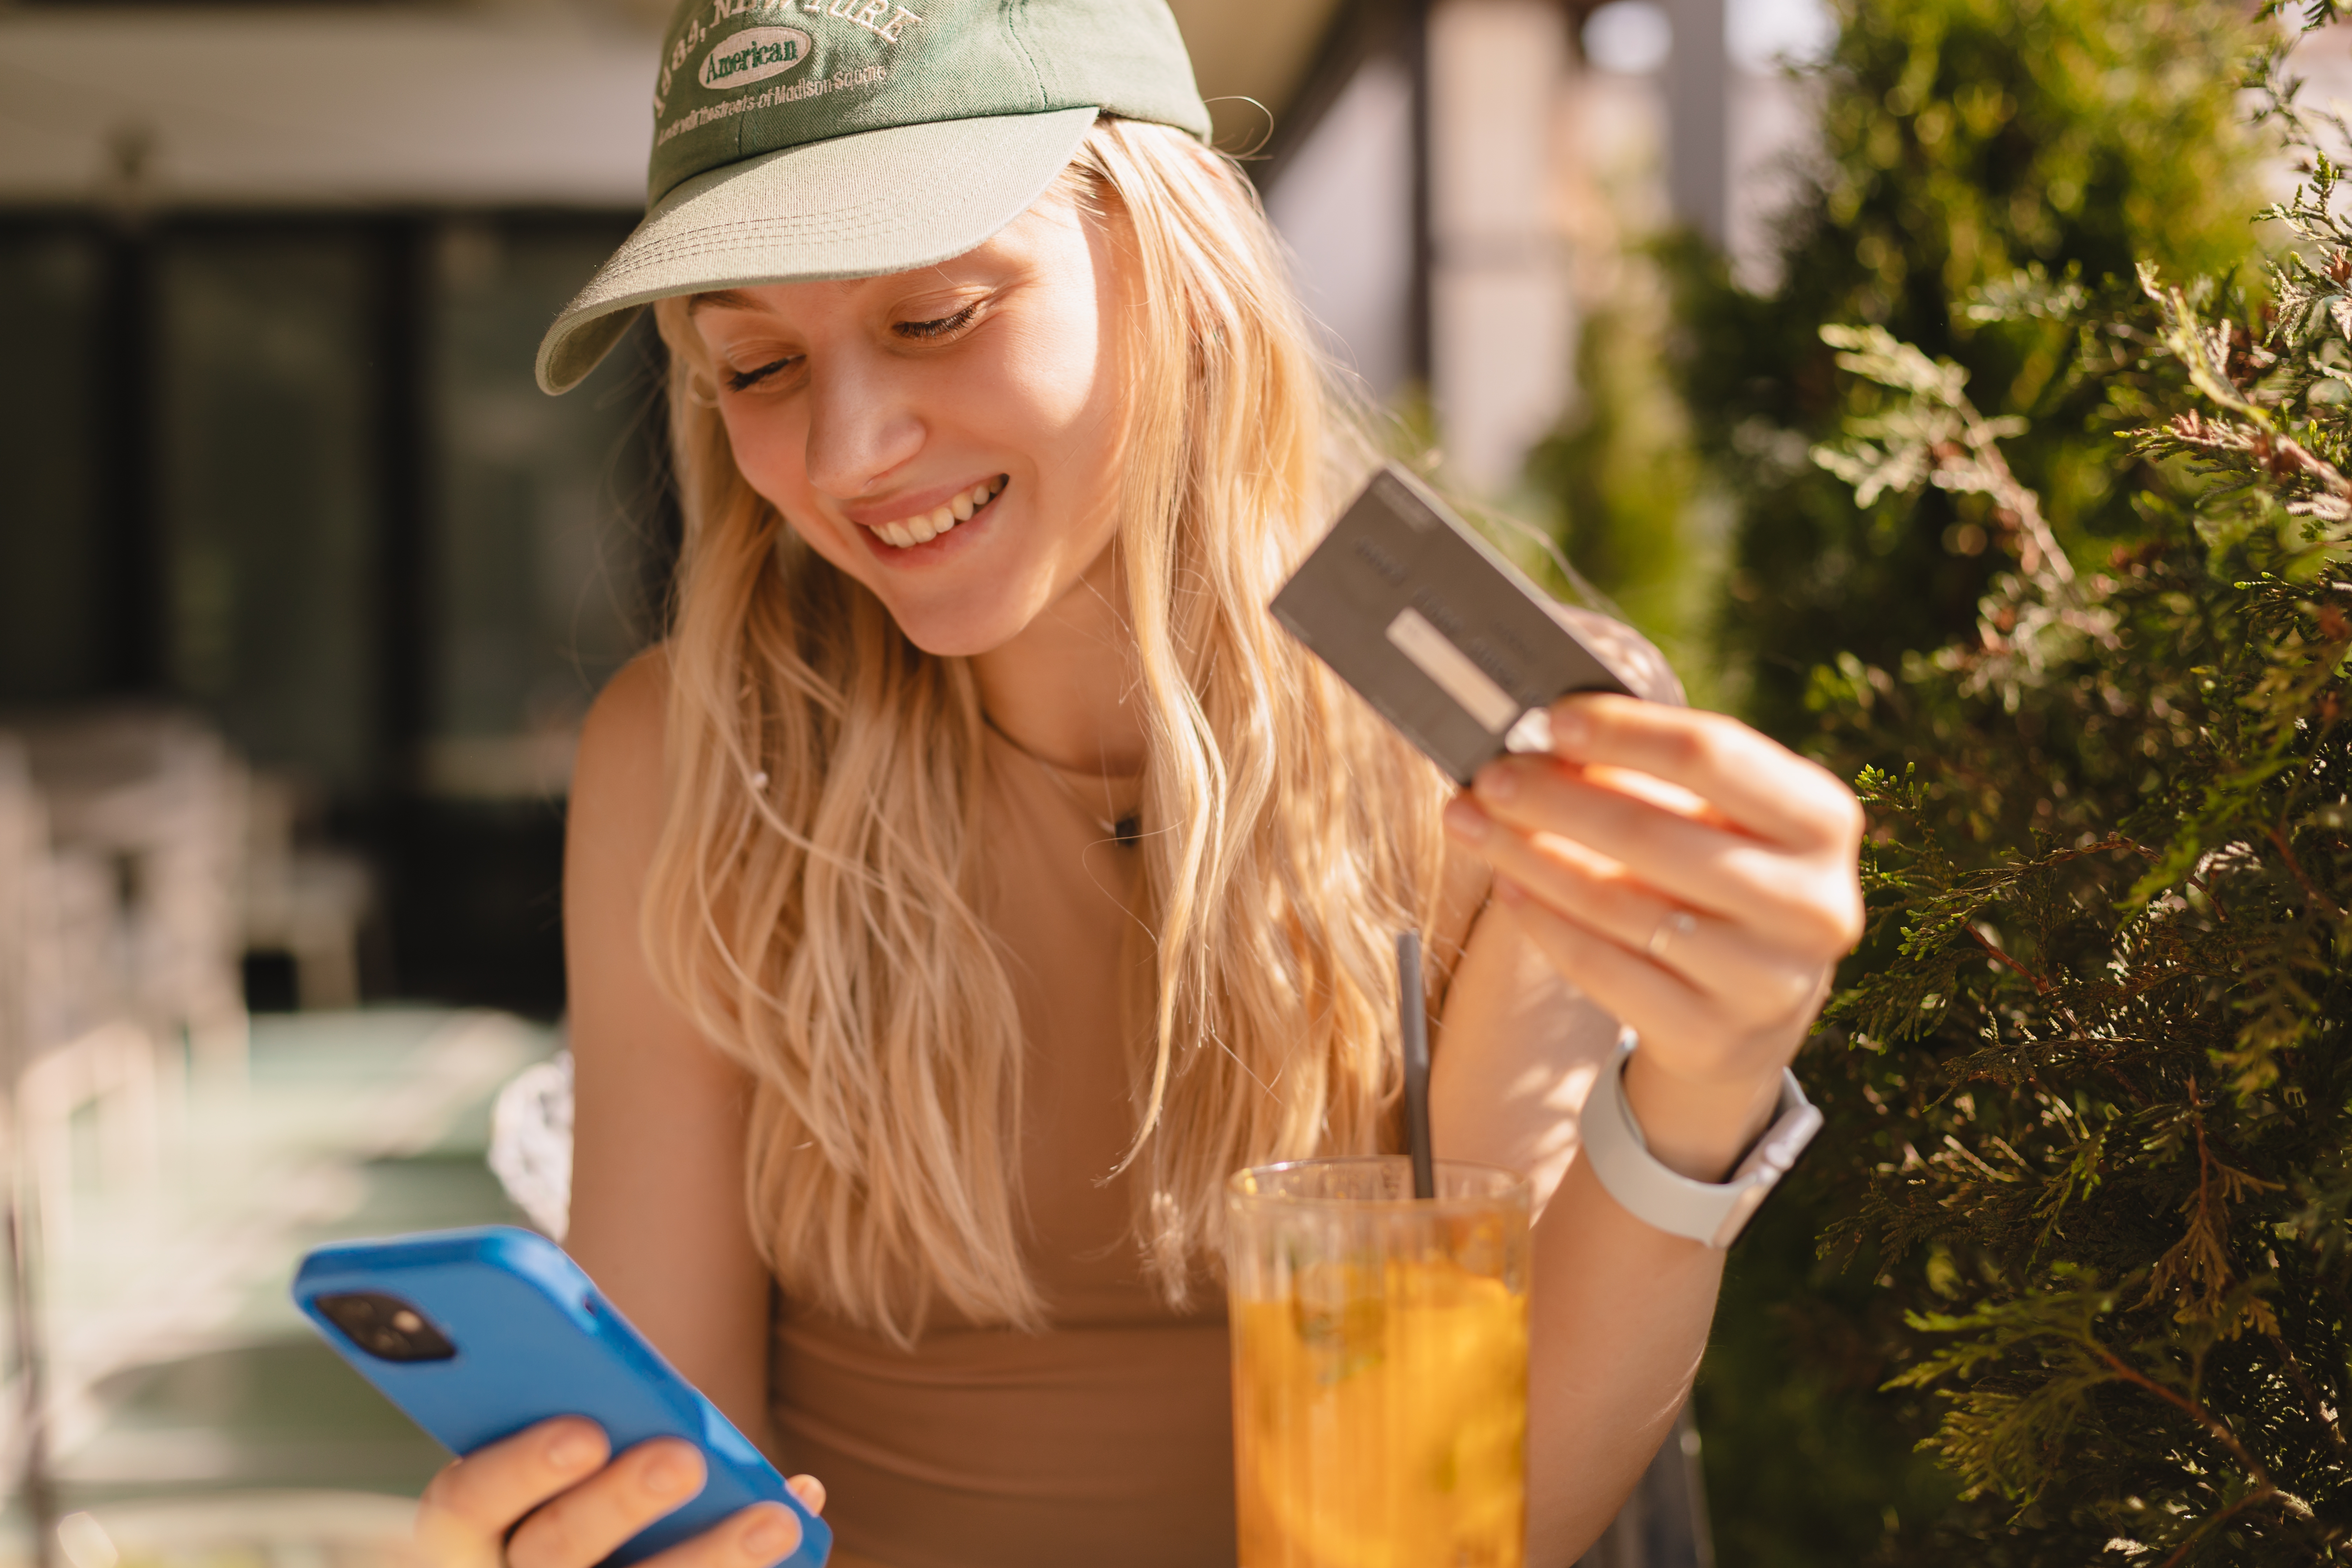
x: 923, y: 527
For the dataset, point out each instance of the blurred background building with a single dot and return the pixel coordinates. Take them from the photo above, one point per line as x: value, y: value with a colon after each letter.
x: 304, y: 587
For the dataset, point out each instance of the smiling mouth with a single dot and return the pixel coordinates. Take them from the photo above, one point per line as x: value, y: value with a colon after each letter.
x: 924, y: 527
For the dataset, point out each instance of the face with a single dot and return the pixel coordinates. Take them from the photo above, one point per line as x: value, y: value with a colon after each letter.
x: 950, y: 438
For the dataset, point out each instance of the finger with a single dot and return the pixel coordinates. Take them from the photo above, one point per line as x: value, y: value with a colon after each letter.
x: 1679, y: 1028
x: 1748, y: 975
x: 583, y: 1526
x: 1807, y: 905
x: 1657, y: 1005
x: 1762, y: 785
x: 757, y: 1537
x: 810, y: 1490
x: 483, y: 1494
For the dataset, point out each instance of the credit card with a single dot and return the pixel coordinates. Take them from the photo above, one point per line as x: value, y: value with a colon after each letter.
x: 1448, y: 640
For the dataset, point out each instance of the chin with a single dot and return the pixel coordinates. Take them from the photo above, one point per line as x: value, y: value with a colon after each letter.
x: 955, y: 631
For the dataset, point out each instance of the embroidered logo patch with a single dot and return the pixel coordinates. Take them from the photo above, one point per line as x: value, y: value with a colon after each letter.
x: 752, y: 54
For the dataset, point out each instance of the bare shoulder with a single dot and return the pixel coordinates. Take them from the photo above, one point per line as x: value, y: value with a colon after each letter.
x: 617, y: 774
x: 1634, y: 658
x: 625, y: 723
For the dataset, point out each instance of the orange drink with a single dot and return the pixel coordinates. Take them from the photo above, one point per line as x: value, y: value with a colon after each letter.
x: 1380, y: 1366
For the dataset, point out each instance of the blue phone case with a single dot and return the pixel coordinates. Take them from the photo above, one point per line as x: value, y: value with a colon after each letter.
x: 534, y: 1339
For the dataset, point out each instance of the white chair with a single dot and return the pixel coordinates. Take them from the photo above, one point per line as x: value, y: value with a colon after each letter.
x: 306, y: 903
x: 113, y: 1070
x: 145, y: 810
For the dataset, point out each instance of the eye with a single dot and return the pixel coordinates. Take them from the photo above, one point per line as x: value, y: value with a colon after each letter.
x: 944, y: 327
x: 744, y: 380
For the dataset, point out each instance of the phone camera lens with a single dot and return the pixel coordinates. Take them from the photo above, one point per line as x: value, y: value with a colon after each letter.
x: 385, y: 1326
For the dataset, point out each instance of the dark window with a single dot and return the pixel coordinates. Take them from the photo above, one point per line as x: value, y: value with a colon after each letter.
x: 293, y: 473
x: 265, y: 507
x: 53, y: 642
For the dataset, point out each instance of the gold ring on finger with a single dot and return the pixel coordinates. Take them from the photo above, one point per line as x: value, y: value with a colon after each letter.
x: 1672, y: 924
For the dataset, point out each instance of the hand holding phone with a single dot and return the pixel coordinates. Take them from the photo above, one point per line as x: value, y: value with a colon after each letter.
x: 486, y: 1337
x: 555, y: 1495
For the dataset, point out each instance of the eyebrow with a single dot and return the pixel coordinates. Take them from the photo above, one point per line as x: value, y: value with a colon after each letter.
x: 720, y: 300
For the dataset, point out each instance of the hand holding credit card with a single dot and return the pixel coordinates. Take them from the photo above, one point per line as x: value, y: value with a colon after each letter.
x: 1450, y: 642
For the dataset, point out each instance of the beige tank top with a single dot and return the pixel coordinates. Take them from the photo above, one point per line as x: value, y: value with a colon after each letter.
x: 1106, y: 1439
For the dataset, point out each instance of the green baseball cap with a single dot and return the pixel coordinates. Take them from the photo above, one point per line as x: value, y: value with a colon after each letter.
x: 797, y: 140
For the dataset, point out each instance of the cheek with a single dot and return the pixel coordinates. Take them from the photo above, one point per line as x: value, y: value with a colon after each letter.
x: 771, y: 451
x: 1057, y: 376
x: 1062, y: 376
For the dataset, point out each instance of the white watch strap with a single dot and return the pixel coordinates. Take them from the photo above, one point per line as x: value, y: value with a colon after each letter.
x: 1710, y: 1212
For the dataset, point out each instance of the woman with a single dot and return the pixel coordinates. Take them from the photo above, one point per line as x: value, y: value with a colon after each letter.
x: 977, y: 876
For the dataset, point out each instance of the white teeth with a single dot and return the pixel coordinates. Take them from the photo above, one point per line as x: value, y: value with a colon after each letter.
x: 909, y: 531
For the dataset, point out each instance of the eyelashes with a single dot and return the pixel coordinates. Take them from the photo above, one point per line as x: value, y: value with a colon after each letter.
x: 744, y: 380
x: 943, y: 327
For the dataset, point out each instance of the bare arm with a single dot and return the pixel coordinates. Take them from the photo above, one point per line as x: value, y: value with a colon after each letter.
x: 1647, y: 811
x: 658, y: 1215
x: 657, y: 1201
x: 1621, y: 1311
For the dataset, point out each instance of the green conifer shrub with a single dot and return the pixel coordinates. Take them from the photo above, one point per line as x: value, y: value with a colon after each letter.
x: 1963, y: 141
x: 2090, y: 1085
x: 1621, y: 482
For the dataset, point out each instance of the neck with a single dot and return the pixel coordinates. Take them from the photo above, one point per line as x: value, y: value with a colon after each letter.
x: 1063, y: 690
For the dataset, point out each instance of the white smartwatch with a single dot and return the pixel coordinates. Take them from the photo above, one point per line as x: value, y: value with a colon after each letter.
x: 1710, y: 1212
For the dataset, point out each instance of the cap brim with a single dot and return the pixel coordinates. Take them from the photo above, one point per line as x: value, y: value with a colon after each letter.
x: 854, y: 206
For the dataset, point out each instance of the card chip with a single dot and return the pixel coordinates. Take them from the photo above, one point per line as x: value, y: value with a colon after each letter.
x: 1434, y: 655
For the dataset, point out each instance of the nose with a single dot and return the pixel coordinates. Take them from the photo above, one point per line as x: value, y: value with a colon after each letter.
x: 862, y: 425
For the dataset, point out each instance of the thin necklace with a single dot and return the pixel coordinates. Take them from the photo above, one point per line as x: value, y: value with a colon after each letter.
x: 1127, y: 830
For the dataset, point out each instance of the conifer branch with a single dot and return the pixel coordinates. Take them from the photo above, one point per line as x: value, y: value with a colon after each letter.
x: 2313, y: 1407
x: 1993, y: 948
x: 2319, y: 899
x: 2213, y: 1425
x: 2260, y: 1495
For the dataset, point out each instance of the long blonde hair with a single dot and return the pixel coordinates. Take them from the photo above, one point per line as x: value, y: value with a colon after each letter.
x: 819, y: 923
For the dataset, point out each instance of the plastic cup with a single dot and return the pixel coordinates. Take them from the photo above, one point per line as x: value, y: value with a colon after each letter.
x: 1380, y: 1366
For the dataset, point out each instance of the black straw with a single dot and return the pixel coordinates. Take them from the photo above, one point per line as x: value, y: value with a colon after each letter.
x: 1413, y: 1018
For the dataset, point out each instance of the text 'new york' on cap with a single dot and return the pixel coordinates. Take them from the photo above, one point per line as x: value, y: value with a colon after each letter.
x: 797, y: 140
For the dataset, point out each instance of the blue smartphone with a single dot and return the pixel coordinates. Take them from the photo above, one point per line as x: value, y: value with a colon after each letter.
x: 479, y: 1333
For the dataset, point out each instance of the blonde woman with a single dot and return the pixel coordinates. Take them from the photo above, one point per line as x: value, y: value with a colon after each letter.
x: 977, y: 876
